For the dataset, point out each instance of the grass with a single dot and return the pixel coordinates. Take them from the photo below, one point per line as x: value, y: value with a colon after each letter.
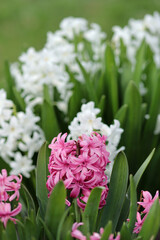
x: 24, y: 23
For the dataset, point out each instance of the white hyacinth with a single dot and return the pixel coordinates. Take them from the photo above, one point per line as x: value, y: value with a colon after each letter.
x: 135, y: 32
x: 87, y: 121
x: 20, y: 136
x: 48, y: 66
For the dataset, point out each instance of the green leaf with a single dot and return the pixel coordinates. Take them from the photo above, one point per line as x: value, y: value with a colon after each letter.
x: 55, y: 207
x: 92, y: 206
x: 125, y: 234
x: 74, y: 104
x: 9, y: 81
x: 137, y: 178
x: 4, y: 235
x: 101, y: 105
x: 41, y: 189
x: 48, y: 233
x: 107, y: 231
x: 25, y: 194
x: 133, y: 205
x: 143, y: 167
x: 111, y: 74
x: 140, y: 59
x: 153, y: 102
x: 151, y: 224
x: 88, y: 83
x: 143, y: 112
x: 67, y: 226
x: 29, y: 228
x: 121, y: 114
x: 49, y: 120
x: 116, y: 195
x: 19, y: 99
x: 11, y: 231
x: 60, y: 227
x: 132, y: 128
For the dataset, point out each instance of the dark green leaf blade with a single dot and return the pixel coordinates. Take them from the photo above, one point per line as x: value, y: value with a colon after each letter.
x: 116, y: 194
x: 49, y: 120
x: 55, y: 207
x: 133, y: 205
x: 92, y: 206
x: 151, y: 224
x: 107, y: 231
x: 41, y: 189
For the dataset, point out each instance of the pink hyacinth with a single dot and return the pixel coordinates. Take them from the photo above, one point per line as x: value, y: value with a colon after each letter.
x: 111, y: 237
x: 9, y: 184
x: 6, y: 213
x: 95, y: 236
x: 139, y: 223
x: 9, y: 190
x: 146, y: 203
x: 80, y: 164
x: 147, y: 200
x: 77, y: 233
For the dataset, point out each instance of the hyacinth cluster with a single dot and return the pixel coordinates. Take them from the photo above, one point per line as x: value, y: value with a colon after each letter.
x: 80, y: 164
x: 96, y: 236
x: 147, y: 29
x: 146, y: 202
x: 20, y: 136
x: 48, y: 66
x: 9, y: 191
x: 87, y: 121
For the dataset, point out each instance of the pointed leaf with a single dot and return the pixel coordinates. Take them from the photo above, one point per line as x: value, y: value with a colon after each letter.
x: 60, y: 227
x: 132, y: 128
x: 143, y: 167
x: 133, y: 205
x: 151, y: 224
x: 19, y: 100
x: 41, y: 189
x: 9, y: 81
x: 111, y: 74
x: 125, y: 234
x: 88, y: 83
x: 101, y: 105
x: 107, y: 231
x: 55, y: 207
x: 121, y: 114
x: 137, y: 177
x: 116, y: 195
x: 92, y: 206
x: 11, y: 231
x: 140, y: 58
x: 49, y: 120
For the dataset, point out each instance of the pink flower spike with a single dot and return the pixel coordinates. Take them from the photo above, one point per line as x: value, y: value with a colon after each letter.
x: 139, y: 223
x: 77, y: 233
x: 111, y: 237
x: 97, y: 236
x: 147, y: 200
x: 9, y: 184
x: 6, y: 213
x: 80, y: 165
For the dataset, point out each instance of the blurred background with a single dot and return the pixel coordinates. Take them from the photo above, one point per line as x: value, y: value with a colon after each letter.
x: 24, y: 23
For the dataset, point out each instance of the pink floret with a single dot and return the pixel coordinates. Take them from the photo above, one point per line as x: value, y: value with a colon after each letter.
x: 80, y: 164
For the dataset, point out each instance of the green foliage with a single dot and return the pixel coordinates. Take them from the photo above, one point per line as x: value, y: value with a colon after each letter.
x: 41, y: 190
x: 48, y: 117
x: 116, y: 195
x: 111, y: 80
x: 152, y: 223
x: 91, y: 210
x: 55, y: 208
x: 115, y: 90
